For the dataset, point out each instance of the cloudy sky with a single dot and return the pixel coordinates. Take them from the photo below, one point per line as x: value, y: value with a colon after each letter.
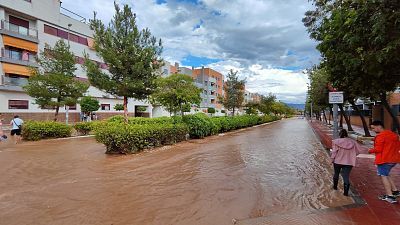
x: 264, y: 40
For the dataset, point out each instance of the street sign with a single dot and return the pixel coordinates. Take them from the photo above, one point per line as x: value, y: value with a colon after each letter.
x: 336, y: 97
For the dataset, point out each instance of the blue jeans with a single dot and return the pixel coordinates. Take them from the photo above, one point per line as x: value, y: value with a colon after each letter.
x: 384, y: 169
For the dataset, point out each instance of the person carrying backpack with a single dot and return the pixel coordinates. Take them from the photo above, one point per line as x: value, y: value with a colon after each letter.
x: 16, y: 129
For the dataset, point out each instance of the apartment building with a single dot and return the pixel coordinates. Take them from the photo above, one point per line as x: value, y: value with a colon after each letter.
x: 26, y: 26
x: 211, y: 82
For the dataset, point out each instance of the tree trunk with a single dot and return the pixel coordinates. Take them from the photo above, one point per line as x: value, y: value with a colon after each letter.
x: 233, y: 111
x: 330, y: 115
x: 347, y: 119
x: 365, y: 126
x: 56, y: 114
x: 325, y: 119
x: 389, y: 110
x: 126, y: 109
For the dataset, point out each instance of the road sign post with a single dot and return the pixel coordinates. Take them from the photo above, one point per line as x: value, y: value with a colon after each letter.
x: 335, y: 98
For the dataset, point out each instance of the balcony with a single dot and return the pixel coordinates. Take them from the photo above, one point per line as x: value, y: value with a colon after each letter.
x: 212, y: 80
x: 15, y: 81
x: 21, y: 32
x: 14, y: 56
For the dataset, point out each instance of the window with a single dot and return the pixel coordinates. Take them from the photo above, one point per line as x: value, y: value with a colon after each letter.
x: 62, y: 34
x: 71, y: 107
x: 18, y: 104
x: 50, y: 30
x: 83, y: 41
x: 73, y: 37
x: 105, y: 107
x: 19, y: 22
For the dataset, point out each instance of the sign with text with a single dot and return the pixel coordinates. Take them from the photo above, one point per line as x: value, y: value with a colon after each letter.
x: 336, y: 97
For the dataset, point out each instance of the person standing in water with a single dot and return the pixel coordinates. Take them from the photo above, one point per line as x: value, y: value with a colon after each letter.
x: 16, y: 129
x: 344, y: 153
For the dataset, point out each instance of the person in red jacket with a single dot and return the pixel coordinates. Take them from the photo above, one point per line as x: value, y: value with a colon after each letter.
x: 386, y: 150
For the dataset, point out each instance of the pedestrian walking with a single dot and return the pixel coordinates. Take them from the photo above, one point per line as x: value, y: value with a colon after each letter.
x: 16, y: 129
x: 344, y: 153
x: 386, y: 150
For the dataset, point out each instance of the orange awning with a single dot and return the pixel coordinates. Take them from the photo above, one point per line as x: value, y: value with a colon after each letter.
x: 16, y: 69
x: 18, y: 43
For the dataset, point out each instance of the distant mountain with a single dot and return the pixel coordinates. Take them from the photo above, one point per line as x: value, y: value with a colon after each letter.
x: 296, y: 106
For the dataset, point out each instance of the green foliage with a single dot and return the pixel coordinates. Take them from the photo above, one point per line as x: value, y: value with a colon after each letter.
x: 223, y: 111
x: 265, y: 105
x: 35, y: 130
x: 89, y: 104
x: 142, y: 121
x: 127, y: 138
x: 176, y: 92
x: 200, y: 125
x: 85, y: 128
x: 141, y: 108
x: 119, y: 107
x: 141, y: 133
x: 359, y: 42
x: 132, y: 55
x: 234, y: 92
x: 211, y: 110
x: 53, y: 84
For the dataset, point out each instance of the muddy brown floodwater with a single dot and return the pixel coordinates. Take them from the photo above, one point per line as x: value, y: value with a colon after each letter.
x: 273, y: 169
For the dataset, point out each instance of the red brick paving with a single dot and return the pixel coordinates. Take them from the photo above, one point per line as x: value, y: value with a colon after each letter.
x: 368, y: 186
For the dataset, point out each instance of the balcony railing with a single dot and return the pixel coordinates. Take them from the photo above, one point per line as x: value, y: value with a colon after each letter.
x: 13, y: 81
x: 5, y: 25
x: 18, y: 55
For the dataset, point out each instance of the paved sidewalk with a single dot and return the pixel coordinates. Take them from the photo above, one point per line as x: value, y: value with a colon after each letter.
x: 367, y: 185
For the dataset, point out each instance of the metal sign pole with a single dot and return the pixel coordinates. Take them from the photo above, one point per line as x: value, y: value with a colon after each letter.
x: 335, y: 121
x: 336, y: 98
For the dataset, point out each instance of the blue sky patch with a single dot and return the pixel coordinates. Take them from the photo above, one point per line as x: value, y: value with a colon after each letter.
x: 159, y: 2
x: 198, y: 61
x: 197, y: 26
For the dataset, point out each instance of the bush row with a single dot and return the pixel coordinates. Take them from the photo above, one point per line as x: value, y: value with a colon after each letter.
x: 128, y: 138
x: 36, y: 130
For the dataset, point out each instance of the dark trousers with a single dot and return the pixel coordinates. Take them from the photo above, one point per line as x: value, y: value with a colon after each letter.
x: 344, y: 170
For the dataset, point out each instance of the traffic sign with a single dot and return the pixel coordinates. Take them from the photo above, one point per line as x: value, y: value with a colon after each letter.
x: 336, y: 97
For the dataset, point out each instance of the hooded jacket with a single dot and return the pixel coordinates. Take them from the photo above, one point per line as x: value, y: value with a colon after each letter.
x: 386, y: 148
x: 345, y: 151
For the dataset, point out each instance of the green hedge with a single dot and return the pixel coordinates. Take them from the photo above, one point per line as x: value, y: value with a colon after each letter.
x: 85, y: 128
x: 128, y: 138
x: 200, y: 125
x: 36, y: 130
x: 142, y: 121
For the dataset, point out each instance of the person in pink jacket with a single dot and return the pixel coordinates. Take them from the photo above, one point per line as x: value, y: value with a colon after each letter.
x: 344, y: 153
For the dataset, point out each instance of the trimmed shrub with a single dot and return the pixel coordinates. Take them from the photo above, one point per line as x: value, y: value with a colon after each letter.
x: 211, y: 110
x: 200, y: 125
x: 127, y: 138
x: 142, y: 121
x: 37, y: 130
x: 85, y: 128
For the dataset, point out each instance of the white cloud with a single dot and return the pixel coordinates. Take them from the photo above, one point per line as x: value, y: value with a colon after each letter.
x: 253, y: 37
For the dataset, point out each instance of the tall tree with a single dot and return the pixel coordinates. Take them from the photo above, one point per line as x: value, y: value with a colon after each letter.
x: 359, y: 41
x: 266, y: 103
x: 132, y: 56
x: 234, y: 92
x: 54, y: 84
x: 176, y: 93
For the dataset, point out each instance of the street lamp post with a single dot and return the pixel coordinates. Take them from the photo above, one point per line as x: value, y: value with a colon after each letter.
x: 67, y: 106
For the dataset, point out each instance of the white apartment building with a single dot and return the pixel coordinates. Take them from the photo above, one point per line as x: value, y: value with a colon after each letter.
x: 26, y: 26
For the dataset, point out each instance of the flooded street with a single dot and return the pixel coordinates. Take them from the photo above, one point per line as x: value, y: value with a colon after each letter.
x: 267, y: 170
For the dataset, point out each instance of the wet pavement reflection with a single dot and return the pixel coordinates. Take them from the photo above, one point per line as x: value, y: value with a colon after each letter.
x: 267, y: 170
